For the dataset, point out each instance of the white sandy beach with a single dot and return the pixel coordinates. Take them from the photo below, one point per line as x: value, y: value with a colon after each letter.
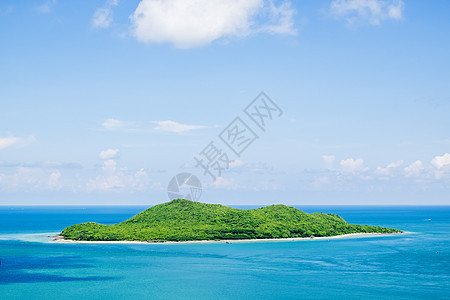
x: 60, y: 239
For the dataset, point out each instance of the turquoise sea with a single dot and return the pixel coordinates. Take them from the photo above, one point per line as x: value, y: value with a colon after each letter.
x: 410, y: 266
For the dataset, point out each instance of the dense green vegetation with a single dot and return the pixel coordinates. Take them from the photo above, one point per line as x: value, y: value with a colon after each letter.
x: 183, y: 220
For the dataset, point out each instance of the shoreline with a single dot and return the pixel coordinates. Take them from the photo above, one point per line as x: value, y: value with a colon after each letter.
x: 61, y: 240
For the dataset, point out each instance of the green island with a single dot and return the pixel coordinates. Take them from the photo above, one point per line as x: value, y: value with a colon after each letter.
x: 184, y: 220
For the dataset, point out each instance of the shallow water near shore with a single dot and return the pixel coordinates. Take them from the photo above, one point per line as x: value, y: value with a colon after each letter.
x: 413, y: 265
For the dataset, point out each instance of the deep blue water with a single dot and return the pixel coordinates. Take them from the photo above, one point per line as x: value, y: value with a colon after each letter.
x: 410, y: 266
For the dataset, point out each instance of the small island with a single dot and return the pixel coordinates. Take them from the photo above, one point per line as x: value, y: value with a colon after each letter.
x: 184, y: 220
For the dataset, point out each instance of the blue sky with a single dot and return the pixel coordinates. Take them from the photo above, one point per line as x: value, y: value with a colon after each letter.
x: 103, y: 102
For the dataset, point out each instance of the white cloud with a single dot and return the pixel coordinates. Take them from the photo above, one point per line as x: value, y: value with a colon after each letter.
x: 414, y: 169
x: 194, y: 23
x: 441, y: 161
x: 389, y: 169
x: 11, y: 141
x: 223, y: 183
x: 236, y: 163
x: 109, y: 154
x: 281, y: 19
x: 105, y: 184
x: 172, y: 126
x: 109, y: 166
x: 110, y: 180
x: 54, y: 179
x: 120, y: 179
x: 442, y: 165
x: 167, y: 125
x: 371, y: 11
x: 31, y: 179
x: 141, y: 181
x: 26, y: 179
x: 140, y: 173
x: 395, y: 11
x: 117, y: 125
x: 351, y: 165
x: 8, y: 142
x: 110, y: 177
x: 103, y: 16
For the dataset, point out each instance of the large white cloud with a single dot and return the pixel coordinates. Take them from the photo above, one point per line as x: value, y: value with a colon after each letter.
x: 371, y: 11
x: 192, y: 23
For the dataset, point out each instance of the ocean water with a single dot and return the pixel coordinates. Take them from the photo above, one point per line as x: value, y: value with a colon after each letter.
x: 409, y: 266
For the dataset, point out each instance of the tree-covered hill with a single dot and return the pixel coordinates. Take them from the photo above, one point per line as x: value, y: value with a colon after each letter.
x: 183, y: 220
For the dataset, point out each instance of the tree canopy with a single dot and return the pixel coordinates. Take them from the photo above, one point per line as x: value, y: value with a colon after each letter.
x: 184, y: 220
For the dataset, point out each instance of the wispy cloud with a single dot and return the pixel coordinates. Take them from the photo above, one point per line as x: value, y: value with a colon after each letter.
x: 43, y: 165
x: 280, y: 19
x: 46, y: 7
x: 189, y: 23
x: 104, y: 16
x: 238, y: 166
x: 328, y: 160
x: 8, y: 142
x: 118, y: 125
x: 154, y: 126
x: 172, y: 126
x: 367, y: 11
x: 7, y: 10
x: 12, y: 141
